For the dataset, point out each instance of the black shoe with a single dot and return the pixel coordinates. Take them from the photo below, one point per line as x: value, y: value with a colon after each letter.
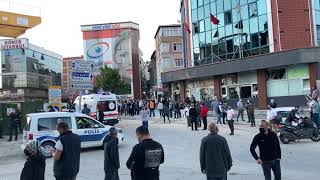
x: 231, y: 134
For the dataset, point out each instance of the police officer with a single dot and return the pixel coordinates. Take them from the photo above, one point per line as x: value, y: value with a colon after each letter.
x: 145, y: 157
x: 14, y: 124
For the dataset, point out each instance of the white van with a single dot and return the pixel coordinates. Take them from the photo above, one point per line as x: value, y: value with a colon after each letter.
x: 105, y: 102
x: 42, y: 128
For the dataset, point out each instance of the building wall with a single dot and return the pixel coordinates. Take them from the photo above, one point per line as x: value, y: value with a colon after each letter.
x: 66, y: 74
x: 295, y: 24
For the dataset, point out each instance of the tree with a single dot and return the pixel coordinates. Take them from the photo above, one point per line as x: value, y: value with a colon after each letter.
x: 110, y: 80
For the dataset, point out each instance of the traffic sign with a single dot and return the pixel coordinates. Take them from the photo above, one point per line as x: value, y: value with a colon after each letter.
x: 82, y: 66
x: 81, y: 86
x: 81, y: 76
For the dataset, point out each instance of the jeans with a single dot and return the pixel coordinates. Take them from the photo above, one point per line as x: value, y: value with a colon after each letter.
x: 217, y: 178
x: 194, y: 124
x: 205, y: 123
x: 219, y: 118
x: 164, y: 118
x: 170, y: 112
x: 161, y: 112
x: 145, y: 124
x: 251, y: 118
x: 316, y: 119
x: 152, y: 112
x: 274, y: 166
x: 240, y: 113
x: 15, y: 128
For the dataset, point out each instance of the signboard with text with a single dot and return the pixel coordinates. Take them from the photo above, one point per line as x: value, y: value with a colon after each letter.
x: 81, y: 75
x: 21, y: 43
x: 55, y: 96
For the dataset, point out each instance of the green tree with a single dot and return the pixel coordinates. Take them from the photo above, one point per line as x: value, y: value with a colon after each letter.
x: 110, y: 80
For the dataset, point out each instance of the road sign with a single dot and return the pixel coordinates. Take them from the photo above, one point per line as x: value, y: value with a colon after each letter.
x: 81, y: 86
x: 81, y: 76
x: 82, y: 66
x: 55, y: 96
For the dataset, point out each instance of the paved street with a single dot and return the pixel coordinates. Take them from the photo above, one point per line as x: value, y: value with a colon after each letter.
x: 300, y: 160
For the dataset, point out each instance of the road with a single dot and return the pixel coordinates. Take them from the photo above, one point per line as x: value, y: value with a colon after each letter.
x: 299, y: 160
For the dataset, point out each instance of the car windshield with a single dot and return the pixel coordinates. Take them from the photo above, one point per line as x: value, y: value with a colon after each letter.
x: 106, y: 106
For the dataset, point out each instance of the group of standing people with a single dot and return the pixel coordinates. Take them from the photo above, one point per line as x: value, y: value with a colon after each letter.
x: 130, y: 107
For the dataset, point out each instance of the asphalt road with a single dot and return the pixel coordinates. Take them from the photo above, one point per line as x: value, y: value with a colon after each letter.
x: 299, y: 160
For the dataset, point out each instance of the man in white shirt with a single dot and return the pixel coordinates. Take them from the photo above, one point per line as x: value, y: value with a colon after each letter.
x: 272, y: 117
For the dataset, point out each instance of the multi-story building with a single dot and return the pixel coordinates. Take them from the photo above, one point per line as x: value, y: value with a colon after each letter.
x: 28, y: 71
x: 115, y: 45
x: 152, y: 69
x: 169, y: 57
x: 67, y: 92
x: 258, y: 49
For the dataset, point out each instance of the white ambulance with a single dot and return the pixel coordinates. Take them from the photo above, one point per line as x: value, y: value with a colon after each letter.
x: 105, y: 102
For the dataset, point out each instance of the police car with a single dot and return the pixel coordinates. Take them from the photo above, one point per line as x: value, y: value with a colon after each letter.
x: 42, y: 127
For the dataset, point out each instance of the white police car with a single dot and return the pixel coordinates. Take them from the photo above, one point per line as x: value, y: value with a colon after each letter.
x: 42, y: 127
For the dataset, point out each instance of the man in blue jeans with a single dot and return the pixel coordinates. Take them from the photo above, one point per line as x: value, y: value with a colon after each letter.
x: 270, y: 152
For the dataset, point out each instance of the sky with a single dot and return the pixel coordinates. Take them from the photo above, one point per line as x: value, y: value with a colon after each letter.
x: 61, y: 19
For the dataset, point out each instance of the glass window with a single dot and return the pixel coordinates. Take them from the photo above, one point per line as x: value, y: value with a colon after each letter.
x: 206, y: 11
x: 48, y: 124
x: 229, y: 30
x: 195, y: 41
x: 87, y: 123
x: 107, y: 106
x: 227, y: 17
x: 194, y: 4
x: 165, y: 62
x: 234, y: 3
x: 316, y: 4
x: 264, y: 40
x: 219, y: 6
x: 244, y: 12
x: 255, y: 40
x: 196, y: 54
x: 213, y: 8
x: 208, y: 37
x: 194, y: 15
x: 177, y: 47
x: 221, y: 18
x: 253, y: 11
x: 221, y: 32
x: 178, y: 62
x: 200, y: 3
x: 242, y: 2
x: 201, y: 25
x: 318, y: 34
x: 208, y: 24
x: 229, y: 44
x: 227, y: 5
x: 202, y: 38
x: 222, y: 47
x: 235, y: 15
x: 195, y: 27
x: 262, y: 7
x: 200, y: 13
x: 263, y: 23
x: 277, y: 74
x: 254, y: 25
x: 164, y: 47
x: 317, y: 17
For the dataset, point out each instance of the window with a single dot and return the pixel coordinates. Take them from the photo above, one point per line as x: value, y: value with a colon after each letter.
x: 229, y: 45
x: 253, y: 11
x: 318, y: 34
x: 277, y: 74
x: 164, y: 47
x: 49, y: 124
x: 254, y: 40
x: 107, y: 106
x: 86, y: 123
x: 195, y: 26
x: 227, y: 17
x: 165, y: 62
x: 179, y: 62
x: 177, y: 47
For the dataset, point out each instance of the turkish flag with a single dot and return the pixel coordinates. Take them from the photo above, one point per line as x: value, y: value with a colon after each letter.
x: 214, y: 20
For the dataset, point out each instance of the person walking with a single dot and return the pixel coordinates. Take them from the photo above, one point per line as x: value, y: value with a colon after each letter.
x: 145, y: 115
x: 86, y: 110
x: 177, y: 110
x: 194, y: 117
x: 186, y: 112
x: 230, y: 115
x: 214, y: 106
x: 316, y: 111
x: 219, y: 112
x: 215, y: 156
x: 204, y: 114
x: 170, y: 108
x: 152, y: 106
x: 111, y: 155
x: 250, y: 110
x: 224, y: 112
x: 181, y: 108
x: 14, y: 124
x: 145, y: 157
x: 160, y: 107
x: 165, y: 113
x: 66, y: 155
x: 240, y: 107
x: 270, y: 151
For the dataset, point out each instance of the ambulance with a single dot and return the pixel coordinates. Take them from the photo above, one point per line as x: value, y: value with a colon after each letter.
x: 105, y: 102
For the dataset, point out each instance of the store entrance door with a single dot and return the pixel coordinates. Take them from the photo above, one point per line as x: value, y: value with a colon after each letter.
x: 245, y: 92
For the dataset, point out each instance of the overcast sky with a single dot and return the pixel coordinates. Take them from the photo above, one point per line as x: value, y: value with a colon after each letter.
x: 61, y: 20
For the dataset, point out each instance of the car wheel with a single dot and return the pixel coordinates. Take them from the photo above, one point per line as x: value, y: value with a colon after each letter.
x: 284, y: 139
x: 47, y: 149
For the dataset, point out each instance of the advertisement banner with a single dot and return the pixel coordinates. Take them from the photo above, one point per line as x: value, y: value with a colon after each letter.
x: 55, y: 96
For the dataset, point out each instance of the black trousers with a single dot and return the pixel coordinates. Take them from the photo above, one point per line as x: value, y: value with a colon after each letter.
x: 1, y: 129
x: 152, y: 112
x: 170, y: 112
x: 205, y: 123
x: 194, y: 124
x: 240, y: 113
x: 224, y: 117
x: 274, y: 166
x: 65, y: 178
x: 231, y: 125
x: 164, y: 118
x: 251, y: 118
x: 15, y: 128
x: 177, y: 113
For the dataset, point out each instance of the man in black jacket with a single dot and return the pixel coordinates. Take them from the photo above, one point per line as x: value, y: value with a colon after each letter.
x: 66, y: 154
x: 111, y: 156
x: 270, y: 152
x: 215, y: 156
x: 145, y: 157
x: 193, y: 113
